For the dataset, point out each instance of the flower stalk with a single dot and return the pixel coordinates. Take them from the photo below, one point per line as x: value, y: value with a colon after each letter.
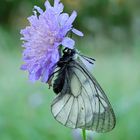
x: 84, y: 134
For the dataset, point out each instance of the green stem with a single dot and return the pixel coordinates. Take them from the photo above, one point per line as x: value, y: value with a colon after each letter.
x: 84, y: 134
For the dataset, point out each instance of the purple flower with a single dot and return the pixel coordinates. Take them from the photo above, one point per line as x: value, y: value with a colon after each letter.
x: 47, y: 31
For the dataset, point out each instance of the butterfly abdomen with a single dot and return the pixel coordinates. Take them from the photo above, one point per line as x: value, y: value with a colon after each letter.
x: 59, y: 83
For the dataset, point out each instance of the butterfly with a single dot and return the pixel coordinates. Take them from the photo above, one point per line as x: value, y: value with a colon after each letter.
x: 80, y: 101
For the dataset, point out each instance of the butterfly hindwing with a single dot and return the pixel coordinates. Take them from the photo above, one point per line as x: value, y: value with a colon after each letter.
x: 82, y: 103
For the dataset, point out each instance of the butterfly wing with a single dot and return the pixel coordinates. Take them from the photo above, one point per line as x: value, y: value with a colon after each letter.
x: 82, y: 103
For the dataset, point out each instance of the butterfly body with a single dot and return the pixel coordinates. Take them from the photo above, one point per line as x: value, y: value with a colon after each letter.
x: 80, y: 101
x: 62, y: 64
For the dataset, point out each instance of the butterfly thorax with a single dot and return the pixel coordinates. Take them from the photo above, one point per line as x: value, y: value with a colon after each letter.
x: 68, y: 56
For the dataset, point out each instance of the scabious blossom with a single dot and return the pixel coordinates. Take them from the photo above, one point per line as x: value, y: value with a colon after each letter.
x: 41, y: 39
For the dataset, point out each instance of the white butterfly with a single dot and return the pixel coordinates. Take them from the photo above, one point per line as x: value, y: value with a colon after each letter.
x: 80, y: 101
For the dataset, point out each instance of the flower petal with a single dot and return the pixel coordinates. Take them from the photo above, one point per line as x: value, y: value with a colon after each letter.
x: 48, y: 5
x: 40, y: 11
x: 33, y: 20
x: 55, y: 56
x: 35, y: 76
x: 56, y: 3
x: 68, y: 42
x: 63, y: 18
x: 77, y: 32
x: 24, y: 67
x: 45, y: 76
x: 58, y: 6
x: 71, y: 18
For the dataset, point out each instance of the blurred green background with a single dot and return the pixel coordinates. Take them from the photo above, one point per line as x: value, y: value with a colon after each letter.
x: 112, y: 37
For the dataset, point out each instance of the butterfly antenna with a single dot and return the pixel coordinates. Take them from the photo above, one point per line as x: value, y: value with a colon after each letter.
x: 89, y: 59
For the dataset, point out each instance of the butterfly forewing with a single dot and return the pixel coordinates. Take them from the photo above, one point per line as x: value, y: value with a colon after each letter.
x: 82, y: 103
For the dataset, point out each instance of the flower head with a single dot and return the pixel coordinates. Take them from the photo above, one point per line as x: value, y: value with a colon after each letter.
x: 47, y: 31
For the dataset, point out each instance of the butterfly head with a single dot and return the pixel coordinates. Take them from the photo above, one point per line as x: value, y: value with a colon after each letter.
x: 69, y: 52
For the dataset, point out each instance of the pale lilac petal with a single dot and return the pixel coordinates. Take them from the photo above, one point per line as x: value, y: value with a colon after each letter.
x: 77, y: 32
x: 58, y: 6
x: 71, y: 18
x: 68, y: 42
x: 34, y: 68
x: 47, y: 5
x: 63, y: 18
x: 40, y: 11
x: 33, y: 20
x: 23, y: 67
x: 56, y: 3
x: 35, y: 76
x: 32, y: 77
x: 45, y: 76
x: 55, y: 56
